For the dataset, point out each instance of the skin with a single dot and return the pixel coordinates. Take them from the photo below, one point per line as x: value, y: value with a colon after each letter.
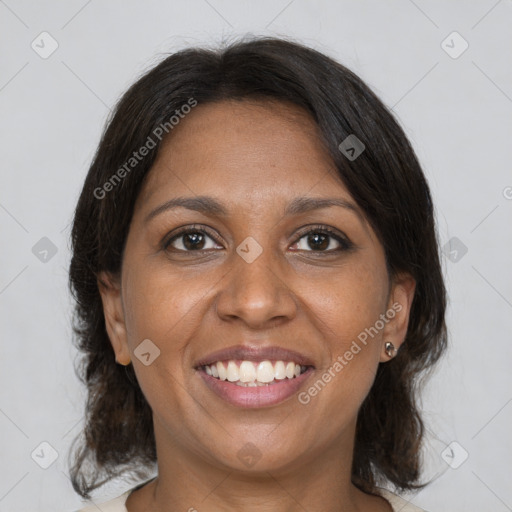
x: 254, y: 158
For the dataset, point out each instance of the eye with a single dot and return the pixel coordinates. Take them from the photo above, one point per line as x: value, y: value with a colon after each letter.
x: 190, y: 239
x: 318, y: 238
x: 322, y: 239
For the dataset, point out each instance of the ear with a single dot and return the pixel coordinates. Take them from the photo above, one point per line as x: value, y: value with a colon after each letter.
x: 399, y: 308
x: 110, y: 291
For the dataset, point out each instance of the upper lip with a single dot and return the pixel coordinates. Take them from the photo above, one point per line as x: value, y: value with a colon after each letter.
x: 250, y: 353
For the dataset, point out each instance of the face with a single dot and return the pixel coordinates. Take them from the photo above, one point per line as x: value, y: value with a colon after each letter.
x: 278, y: 258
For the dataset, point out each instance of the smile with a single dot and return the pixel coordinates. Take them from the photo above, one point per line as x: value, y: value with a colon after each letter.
x: 251, y: 374
x: 251, y: 384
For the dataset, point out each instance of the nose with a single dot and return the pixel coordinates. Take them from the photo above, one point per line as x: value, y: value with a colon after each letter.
x: 257, y: 293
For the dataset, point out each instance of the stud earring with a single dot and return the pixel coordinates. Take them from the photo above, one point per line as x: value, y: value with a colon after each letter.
x: 390, y: 349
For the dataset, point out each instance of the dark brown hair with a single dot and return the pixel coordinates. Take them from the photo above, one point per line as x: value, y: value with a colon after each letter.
x: 386, y: 181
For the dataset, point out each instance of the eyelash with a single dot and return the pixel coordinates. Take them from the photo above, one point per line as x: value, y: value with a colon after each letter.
x: 345, y: 243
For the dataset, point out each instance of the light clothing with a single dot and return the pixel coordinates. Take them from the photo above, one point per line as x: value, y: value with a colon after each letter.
x: 398, y: 504
x: 118, y: 504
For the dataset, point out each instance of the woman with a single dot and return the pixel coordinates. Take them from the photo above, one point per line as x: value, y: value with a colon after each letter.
x: 258, y: 289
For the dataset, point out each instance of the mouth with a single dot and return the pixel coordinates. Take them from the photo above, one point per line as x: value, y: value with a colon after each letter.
x: 253, y: 374
x: 254, y: 377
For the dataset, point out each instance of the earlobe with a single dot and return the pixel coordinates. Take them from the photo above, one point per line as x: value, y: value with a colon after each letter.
x: 110, y: 291
x: 398, y: 312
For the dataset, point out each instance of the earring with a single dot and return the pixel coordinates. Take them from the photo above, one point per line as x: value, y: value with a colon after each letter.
x: 390, y: 349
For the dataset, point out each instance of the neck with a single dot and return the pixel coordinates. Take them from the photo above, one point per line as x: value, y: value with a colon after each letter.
x: 189, y: 482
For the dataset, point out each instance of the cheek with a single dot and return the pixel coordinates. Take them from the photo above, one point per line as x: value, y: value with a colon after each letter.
x: 165, y: 307
x: 349, y: 301
x: 345, y: 309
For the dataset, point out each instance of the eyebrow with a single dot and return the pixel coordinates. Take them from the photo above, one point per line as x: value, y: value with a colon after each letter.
x: 210, y: 206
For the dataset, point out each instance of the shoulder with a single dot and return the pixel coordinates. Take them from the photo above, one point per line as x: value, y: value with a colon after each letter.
x: 114, y: 505
x: 398, y: 503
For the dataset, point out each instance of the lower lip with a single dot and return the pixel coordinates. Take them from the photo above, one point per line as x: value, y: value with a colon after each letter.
x: 257, y: 396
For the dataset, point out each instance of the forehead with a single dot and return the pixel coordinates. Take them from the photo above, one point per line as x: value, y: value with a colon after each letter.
x: 246, y: 152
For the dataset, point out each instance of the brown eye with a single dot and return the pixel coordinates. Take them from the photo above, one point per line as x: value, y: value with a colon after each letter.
x: 317, y: 242
x: 322, y: 240
x: 190, y: 240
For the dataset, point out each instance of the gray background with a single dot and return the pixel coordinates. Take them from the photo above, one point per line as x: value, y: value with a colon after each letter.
x: 456, y: 111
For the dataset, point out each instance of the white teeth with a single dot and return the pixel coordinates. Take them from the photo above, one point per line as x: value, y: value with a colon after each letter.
x: 223, y: 374
x: 250, y: 384
x: 290, y: 370
x: 233, y: 372
x: 280, y: 370
x: 266, y: 372
x: 251, y: 374
x: 247, y: 372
